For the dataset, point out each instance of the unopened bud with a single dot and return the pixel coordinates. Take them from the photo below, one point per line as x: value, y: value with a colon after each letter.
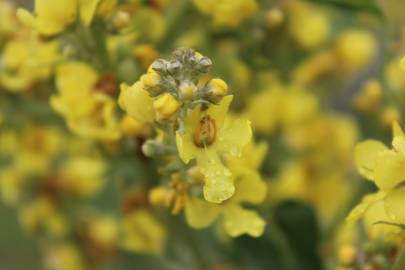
x: 159, y: 65
x: 347, y: 255
x: 166, y: 106
x: 187, y: 90
x: 174, y: 67
x: 274, y: 18
x: 151, y: 148
x: 204, y: 65
x: 151, y: 82
x: 121, y: 19
x: 217, y: 89
x: 161, y: 196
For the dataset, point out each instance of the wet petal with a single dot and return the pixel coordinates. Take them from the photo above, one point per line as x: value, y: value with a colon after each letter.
x: 234, y: 135
x: 238, y: 221
x: 249, y: 187
x: 199, y: 213
x: 218, y: 184
x: 365, y: 157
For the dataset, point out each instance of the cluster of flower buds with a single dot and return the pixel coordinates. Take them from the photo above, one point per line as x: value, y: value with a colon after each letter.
x: 178, y: 81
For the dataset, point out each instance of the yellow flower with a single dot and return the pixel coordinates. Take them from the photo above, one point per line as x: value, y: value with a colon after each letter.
x: 235, y: 219
x: 42, y: 215
x: 355, y: 49
x: 228, y: 12
x: 81, y: 176
x: 27, y: 60
x: 206, y: 136
x: 142, y: 233
x: 308, y: 25
x: 88, y: 112
x: 386, y: 168
x: 52, y: 17
x: 64, y: 256
x: 137, y: 103
x: 103, y: 230
x: 376, y: 162
x: 11, y: 186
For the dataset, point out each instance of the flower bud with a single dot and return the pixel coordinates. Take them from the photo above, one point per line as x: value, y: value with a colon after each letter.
x: 274, y: 18
x: 159, y: 65
x: 347, y: 255
x: 151, y: 82
x: 174, y: 67
x: 166, y: 106
x: 151, y: 148
x: 217, y: 89
x: 187, y: 90
x: 204, y: 64
x: 121, y: 19
x: 161, y: 196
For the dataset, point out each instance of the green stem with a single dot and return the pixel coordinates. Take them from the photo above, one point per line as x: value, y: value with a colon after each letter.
x: 399, y: 263
x: 279, y: 239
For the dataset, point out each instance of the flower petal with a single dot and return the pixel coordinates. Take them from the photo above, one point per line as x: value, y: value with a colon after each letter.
x: 233, y: 136
x: 218, y: 112
x: 365, y: 155
x: 389, y: 169
x: 362, y: 207
x: 218, y: 184
x: 137, y: 102
x: 394, y: 205
x: 249, y: 187
x: 199, y: 213
x: 184, y: 138
x: 238, y: 221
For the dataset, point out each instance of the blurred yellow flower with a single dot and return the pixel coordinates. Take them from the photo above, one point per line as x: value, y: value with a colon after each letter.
x: 88, y: 111
x: 142, y: 233
x: 52, y: 17
x: 228, y: 12
x: 26, y: 61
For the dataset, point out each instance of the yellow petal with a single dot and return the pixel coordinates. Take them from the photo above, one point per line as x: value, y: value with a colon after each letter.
x: 218, y: 184
x: 77, y: 77
x: 389, y: 169
x: 399, y: 144
x: 137, y: 102
x: 395, y: 205
x: 142, y: 233
x: 365, y: 155
x: 233, y: 136
x: 87, y: 10
x: 238, y: 221
x: 199, y: 213
x: 375, y: 220
x: 218, y: 112
x: 397, y: 130
x: 249, y: 187
x: 51, y: 17
x: 362, y: 207
x: 184, y: 138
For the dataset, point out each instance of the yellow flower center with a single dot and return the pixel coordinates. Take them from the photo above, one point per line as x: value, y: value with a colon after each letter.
x: 205, y: 132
